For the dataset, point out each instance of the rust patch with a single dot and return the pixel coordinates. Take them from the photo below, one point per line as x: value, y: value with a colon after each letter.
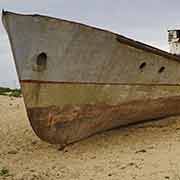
x: 96, y: 83
x: 64, y: 125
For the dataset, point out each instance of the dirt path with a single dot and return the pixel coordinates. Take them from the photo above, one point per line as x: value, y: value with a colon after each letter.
x: 145, y: 151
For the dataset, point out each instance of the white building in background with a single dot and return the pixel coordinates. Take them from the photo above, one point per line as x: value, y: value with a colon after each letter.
x: 174, y: 41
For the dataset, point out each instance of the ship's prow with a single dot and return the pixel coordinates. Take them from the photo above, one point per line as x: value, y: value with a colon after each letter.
x: 79, y: 80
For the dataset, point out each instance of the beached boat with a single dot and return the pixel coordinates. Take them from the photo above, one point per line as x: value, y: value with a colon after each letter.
x: 79, y: 80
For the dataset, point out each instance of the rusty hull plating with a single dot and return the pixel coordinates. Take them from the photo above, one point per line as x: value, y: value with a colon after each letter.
x: 72, y: 123
x: 78, y: 80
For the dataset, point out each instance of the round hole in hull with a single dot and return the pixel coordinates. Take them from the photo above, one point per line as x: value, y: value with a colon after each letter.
x: 161, y: 69
x: 41, y: 59
x: 142, y: 65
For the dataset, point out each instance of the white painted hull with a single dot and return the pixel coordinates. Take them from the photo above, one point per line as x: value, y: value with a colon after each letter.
x: 79, y: 80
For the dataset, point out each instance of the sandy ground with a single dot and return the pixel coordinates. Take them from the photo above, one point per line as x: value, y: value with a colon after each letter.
x: 144, y: 151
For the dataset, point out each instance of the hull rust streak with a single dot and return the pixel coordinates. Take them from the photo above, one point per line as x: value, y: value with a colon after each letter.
x: 70, y: 123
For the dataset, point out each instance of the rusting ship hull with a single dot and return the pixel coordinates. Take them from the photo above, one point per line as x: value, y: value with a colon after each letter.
x: 78, y: 80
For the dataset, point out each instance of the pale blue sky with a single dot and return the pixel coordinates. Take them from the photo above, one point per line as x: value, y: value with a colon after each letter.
x: 143, y: 20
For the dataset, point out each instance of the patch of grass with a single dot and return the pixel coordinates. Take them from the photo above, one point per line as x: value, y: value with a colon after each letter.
x: 15, y: 93
x: 3, y: 91
x: 10, y: 92
x: 4, y: 172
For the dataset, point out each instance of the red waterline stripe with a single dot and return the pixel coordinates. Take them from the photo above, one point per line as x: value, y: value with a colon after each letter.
x: 96, y: 83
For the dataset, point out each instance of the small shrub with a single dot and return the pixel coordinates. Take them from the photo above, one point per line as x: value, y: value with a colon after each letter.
x: 4, y: 172
x: 2, y: 89
x: 15, y: 93
x: 10, y: 92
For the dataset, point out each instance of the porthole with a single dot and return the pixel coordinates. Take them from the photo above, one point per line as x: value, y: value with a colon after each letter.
x: 161, y: 69
x: 142, y: 66
x: 41, y: 59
